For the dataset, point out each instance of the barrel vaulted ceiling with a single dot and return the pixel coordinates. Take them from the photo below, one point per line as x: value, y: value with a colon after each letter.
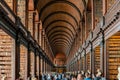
x: 60, y: 20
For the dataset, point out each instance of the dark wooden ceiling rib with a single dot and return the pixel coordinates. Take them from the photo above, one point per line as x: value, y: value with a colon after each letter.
x: 59, y: 12
x: 61, y: 43
x: 57, y: 31
x: 58, y: 37
x: 35, y: 3
x: 59, y: 1
x: 55, y: 21
x: 60, y: 40
x: 57, y: 27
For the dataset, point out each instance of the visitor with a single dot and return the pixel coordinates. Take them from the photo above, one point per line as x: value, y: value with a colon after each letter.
x: 64, y: 78
x: 87, y: 76
x: 99, y: 76
x: 80, y: 77
x: 73, y: 77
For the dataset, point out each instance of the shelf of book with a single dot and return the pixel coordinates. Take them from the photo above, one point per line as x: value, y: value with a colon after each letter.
x: 113, y: 52
x: 6, y: 45
x: 97, y: 58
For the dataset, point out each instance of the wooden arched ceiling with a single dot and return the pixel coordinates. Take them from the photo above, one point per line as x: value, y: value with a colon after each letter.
x: 60, y: 20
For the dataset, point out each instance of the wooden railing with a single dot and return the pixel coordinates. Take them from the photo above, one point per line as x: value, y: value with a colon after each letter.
x: 23, y: 28
x: 10, y: 13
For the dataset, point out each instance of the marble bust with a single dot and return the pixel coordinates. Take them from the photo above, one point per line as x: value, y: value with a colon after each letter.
x: 118, y: 76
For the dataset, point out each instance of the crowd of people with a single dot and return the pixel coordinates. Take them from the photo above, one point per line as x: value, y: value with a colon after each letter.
x: 76, y: 76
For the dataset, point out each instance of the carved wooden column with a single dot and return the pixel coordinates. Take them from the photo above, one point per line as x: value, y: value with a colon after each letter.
x: 40, y: 35
x: 35, y: 61
x: 75, y: 66
x: 92, y: 59
x: 44, y: 66
x: 80, y: 68
x: 43, y: 40
x: 16, y: 57
x: 40, y: 67
x: 28, y: 55
x: 47, y: 67
x: 103, y: 62
x: 85, y: 63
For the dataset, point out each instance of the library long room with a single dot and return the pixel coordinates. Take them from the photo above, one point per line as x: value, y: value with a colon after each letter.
x: 59, y: 39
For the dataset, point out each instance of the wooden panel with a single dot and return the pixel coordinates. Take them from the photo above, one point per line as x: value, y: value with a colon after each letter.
x: 97, y: 58
x: 113, y: 51
x: 6, y: 45
x: 23, y: 52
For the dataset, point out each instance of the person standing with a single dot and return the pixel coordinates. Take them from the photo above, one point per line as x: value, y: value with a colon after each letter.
x: 80, y: 77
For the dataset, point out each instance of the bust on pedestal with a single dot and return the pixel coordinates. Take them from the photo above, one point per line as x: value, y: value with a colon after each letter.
x: 118, y: 76
x: 3, y: 76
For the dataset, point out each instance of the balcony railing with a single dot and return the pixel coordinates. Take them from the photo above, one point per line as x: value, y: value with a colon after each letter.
x: 10, y: 13
x: 111, y: 14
